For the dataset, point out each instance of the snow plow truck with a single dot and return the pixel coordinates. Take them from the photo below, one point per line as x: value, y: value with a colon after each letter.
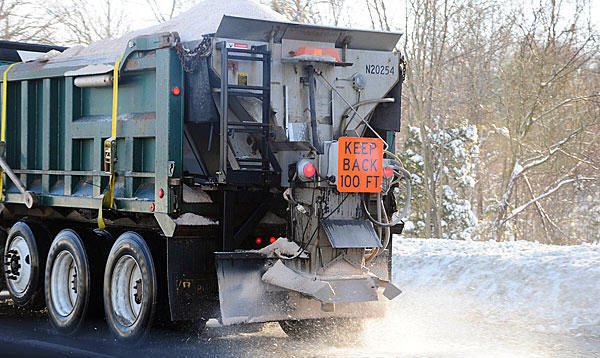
x: 246, y: 176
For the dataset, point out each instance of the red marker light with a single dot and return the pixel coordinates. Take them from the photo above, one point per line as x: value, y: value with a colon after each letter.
x: 161, y: 193
x: 272, y: 239
x: 176, y: 91
x: 309, y: 170
x: 258, y: 240
x: 152, y: 207
x: 388, y: 172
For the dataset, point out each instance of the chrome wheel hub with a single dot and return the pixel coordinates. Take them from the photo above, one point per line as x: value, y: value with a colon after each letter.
x: 127, y: 290
x: 63, y: 283
x: 18, y: 265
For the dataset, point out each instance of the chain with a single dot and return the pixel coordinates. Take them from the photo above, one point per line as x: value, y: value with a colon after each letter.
x: 190, y: 59
x: 403, y: 66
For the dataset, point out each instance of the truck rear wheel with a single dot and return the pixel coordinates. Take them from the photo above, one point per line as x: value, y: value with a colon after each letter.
x: 23, y: 263
x: 129, y: 287
x: 2, y: 246
x: 67, y: 282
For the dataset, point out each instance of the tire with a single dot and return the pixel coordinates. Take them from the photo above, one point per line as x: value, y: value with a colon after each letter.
x: 339, y: 329
x: 2, y: 244
x: 129, y: 264
x: 67, y: 282
x: 23, y: 265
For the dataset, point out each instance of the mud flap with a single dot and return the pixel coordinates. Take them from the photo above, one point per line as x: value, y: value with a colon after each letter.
x: 254, y: 288
x: 243, y: 297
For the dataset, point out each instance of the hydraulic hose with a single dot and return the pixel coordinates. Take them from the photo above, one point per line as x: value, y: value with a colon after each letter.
x: 388, y: 234
x: 403, y: 215
x: 351, y: 107
x: 362, y: 103
x: 313, y: 114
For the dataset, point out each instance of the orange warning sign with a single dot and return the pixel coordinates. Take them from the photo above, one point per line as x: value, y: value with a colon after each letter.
x: 360, y: 165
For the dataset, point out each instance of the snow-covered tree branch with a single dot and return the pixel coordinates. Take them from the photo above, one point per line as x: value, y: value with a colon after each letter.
x: 518, y: 210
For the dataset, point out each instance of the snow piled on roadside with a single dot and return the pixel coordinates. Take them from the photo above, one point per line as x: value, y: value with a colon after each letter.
x: 554, y: 289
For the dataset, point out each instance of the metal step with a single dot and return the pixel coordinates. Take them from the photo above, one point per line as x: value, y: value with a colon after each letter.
x: 249, y: 88
x: 247, y: 124
x: 259, y: 168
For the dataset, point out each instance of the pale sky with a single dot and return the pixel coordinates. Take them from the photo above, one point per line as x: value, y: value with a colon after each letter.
x: 139, y: 14
x: 355, y: 18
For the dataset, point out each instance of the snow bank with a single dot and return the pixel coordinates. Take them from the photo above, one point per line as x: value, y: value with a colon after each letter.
x: 553, y: 288
x: 204, y: 18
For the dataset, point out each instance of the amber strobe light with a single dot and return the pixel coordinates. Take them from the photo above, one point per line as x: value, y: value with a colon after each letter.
x: 317, y: 51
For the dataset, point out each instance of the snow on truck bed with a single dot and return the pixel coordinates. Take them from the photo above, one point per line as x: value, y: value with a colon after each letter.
x: 550, y: 288
x: 203, y: 18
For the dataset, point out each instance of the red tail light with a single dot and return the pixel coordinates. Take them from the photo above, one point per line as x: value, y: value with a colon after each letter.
x: 258, y: 241
x: 306, y: 169
x: 309, y: 170
x: 388, y: 172
x: 272, y: 239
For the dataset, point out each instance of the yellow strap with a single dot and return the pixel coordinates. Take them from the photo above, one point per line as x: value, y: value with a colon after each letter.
x: 108, y: 198
x: 115, y: 96
x: 4, y: 90
x: 3, y: 130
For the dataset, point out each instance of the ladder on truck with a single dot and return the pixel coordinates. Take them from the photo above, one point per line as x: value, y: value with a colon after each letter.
x: 232, y: 168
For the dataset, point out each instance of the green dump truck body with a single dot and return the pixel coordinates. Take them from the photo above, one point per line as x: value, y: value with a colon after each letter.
x: 55, y: 131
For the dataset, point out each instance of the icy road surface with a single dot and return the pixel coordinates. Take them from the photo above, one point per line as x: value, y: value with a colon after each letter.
x: 461, y: 299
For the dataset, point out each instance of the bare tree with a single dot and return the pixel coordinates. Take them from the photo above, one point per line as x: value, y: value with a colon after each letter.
x: 19, y: 21
x: 160, y: 14
x: 166, y: 10
x: 547, y: 108
x: 378, y: 14
x: 298, y: 10
x: 336, y: 8
x: 86, y: 21
x: 427, y: 43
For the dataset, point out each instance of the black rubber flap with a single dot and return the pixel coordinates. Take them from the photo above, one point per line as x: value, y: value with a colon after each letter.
x: 346, y: 234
